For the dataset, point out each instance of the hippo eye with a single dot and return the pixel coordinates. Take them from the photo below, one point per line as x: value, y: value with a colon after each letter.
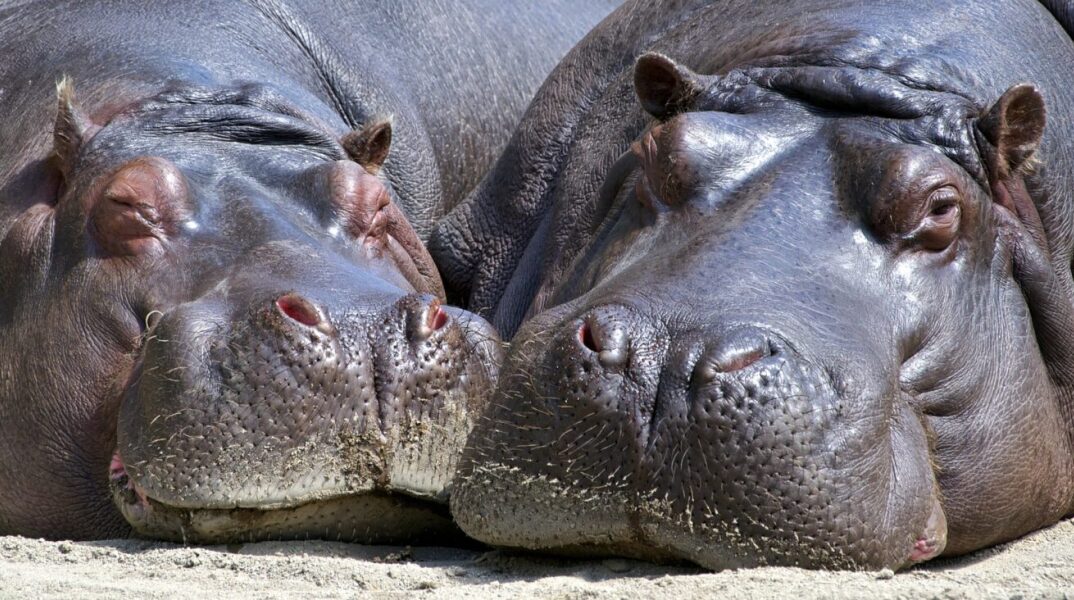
x: 939, y: 227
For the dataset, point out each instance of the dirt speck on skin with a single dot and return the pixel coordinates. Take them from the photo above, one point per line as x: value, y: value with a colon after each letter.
x: 1038, y: 566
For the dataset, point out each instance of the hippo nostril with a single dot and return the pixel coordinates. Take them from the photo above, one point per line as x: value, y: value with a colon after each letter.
x: 736, y: 352
x: 116, y: 470
x: 585, y: 336
x: 438, y: 318
x: 739, y: 360
x: 608, y: 340
x: 425, y: 319
x: 299, y: 309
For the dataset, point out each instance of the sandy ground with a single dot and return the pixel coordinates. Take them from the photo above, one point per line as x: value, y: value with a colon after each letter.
x: 1039, y: 566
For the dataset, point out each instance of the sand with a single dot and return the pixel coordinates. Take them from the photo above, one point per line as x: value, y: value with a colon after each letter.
x: 1038, y: 566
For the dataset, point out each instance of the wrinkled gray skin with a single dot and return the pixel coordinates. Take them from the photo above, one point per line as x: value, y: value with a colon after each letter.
x: 811, y: 307
x: 215, y: 303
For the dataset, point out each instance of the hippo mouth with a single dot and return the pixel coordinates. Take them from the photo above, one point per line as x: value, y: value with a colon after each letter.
x: 382, y: 516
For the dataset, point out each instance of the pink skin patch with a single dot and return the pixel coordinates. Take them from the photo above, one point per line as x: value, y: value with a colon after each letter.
x: 934, y: 539
x: 117, y: 474
x: 116, y: 470
x: 924, y: 549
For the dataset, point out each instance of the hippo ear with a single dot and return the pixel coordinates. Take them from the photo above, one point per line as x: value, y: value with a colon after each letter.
x: 1014, y: 126
x: 369, y: 145
x: 73, y: 127
x: 664, y: 87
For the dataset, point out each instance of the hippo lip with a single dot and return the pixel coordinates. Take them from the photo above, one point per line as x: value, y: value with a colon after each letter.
x: 925, y: 549
x: 363, y: 517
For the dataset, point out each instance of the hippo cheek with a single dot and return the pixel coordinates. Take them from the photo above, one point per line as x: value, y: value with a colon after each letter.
x: 291, y: 421
x: 740, y: 455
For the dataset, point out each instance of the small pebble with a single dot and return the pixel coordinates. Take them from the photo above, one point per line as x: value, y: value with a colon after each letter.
x: 616, y: 565
x: 885, y: 574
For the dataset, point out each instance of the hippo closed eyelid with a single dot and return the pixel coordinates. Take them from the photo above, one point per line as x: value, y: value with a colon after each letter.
x: 940, y: 217
x: 138, y: 206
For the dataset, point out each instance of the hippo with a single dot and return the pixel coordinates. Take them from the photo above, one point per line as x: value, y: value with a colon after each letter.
x: 218, y: 318
x: 785, y: 283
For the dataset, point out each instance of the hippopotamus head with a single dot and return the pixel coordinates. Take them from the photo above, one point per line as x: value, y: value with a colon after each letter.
x: 799, y: 330
x: 235, y: 328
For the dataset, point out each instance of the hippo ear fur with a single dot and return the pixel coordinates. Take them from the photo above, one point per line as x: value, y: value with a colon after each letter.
x: 369, y: 145
x: 664, y: 87
x: 73, y: 127
x: 1014, y: 126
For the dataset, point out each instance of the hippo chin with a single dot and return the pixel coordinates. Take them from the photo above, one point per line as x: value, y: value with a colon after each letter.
x: 217, y: 312
x: 803, y: 298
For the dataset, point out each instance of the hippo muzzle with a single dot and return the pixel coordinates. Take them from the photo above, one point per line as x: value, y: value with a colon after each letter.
x: 722, y: 445
x: 258, y: 411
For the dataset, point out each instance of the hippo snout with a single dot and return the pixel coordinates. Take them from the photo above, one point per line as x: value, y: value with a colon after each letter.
x: 720, y: 443
x: 273, y: 400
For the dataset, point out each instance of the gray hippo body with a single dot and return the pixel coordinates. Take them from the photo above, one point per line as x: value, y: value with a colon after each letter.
x: 795, y: 289
x: 215, y: 302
